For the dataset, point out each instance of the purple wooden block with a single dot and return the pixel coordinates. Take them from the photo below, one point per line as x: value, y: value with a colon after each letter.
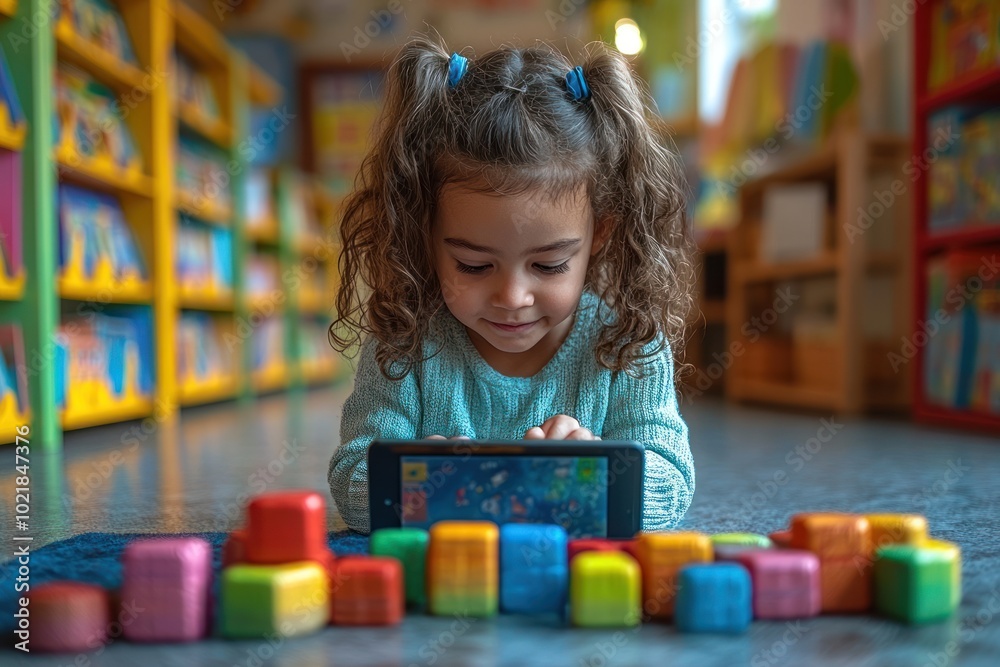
x: 170, y: 579
x: 786, y: 582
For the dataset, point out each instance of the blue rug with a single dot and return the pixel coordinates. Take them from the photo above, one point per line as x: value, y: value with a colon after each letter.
x: 95, y: 558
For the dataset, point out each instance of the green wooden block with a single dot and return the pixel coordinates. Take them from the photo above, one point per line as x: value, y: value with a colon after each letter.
x: 474, y: 604
x: 260, y: 600
x: 409, y: 547
x: 742, y: 540
x: 918, y: 583
x: 605, y: 590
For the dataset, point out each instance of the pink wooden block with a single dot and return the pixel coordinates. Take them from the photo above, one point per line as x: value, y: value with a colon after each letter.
x: 68, y: 617
x: 786, y: 582
x: 171, y: 580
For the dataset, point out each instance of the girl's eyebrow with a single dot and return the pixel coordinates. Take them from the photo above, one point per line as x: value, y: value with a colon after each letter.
x: 556, y: 245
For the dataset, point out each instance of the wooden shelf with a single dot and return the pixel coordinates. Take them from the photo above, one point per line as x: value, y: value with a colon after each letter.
x: 303, y: 244
x: 198, y: 38
x: 206, y: 300
x: 123, y: 77
x: 263, y: 233
x: 84, y: 418
x: 11, y: 136
x: 11, y: 289
x: 969, y: 235
x: 99, y: 291
x: 214, y: 129
x: 817, y: 164
x: 102, y: 174
x: 8, y: 8
x: 882, y: 261
x: 203, y: 209
x: 270, y: 379
x: 210, y: 391
x: 313, y: 303
x: 969, y: 87
x: 787, y: 394
x: 714, y: 311
x: 264, y: 304
x: 315, y: 372
x: 751, y: 272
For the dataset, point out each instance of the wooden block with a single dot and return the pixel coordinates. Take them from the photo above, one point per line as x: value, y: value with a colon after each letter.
x: 286, y: 526
x: 171, y: 580
x: 68, y: 617
x: 845, y: 585
x: 234, y: 550
x: 661, y: 556
x: 605, y: 590
x: 463, y: 568
x: 409, y: 545
x: 578, y: 546
x: 370, y: 591
x: 896, y: 529
x: 786, y: 582
x: 714, y: 597
x: 260, y: 600
x: 727, y: 546
x: 832, y: 535
x: 918, y: 583
x: 533, y: 568
x: 781, y: 539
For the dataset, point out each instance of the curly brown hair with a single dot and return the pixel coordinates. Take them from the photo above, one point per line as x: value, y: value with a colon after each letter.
x: 511, y: 123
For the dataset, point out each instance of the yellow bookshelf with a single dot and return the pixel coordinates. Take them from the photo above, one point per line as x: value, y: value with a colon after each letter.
x: 8, y: 7
x: 271, y: 378
x: 221, y: 388
x: 314, y: 372
x: 206, y: 299
x: 123, y: 77
x: 204, y: 209
x: 264, y: 232
x: 213, y: 129
x: 102, y: 173
x: 198, y: 38
x: 11, y: 136
x: 11, y: 289
x: 11, y: 417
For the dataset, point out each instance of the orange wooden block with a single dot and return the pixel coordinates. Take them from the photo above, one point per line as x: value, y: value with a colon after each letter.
x: 782, y: 539
x: 832, y: 534
x: 369, y: 591
x: 845, y: 585
x: 463, y: 568
x: 661, y: 556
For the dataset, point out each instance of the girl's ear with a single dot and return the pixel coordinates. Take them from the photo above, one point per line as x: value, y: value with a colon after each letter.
x: 602, y: 230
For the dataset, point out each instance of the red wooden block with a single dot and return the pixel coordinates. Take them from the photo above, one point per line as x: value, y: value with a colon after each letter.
x: 286, y: 526
x: 782, y: 539
x: 67, y: 617
x: 235, y: 549
x: 369, y: 591
x: 575, y: 547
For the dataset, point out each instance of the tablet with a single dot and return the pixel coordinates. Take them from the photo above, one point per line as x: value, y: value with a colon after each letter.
x: 591, y: 488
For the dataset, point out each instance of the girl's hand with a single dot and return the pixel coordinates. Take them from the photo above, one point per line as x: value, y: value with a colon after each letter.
x: 560, y: 427
x: 441, y: 437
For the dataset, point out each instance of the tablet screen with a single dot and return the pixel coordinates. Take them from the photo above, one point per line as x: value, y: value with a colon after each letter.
x: 568, y: 491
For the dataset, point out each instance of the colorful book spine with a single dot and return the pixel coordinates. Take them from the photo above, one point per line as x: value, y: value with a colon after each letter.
x: 204, y: 256
x: 92, y: 229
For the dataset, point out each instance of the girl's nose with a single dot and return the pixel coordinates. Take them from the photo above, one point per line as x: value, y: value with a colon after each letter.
x: 512, y: 293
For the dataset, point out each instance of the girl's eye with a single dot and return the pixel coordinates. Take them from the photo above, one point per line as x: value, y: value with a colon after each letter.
x: 465, y: 268
x: 560, y: 268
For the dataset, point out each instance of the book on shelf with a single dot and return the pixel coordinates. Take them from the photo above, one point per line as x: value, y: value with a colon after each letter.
x: 262, y: 272
x: 268, y: 344
x: 92, y: 231
x: 13, y: 370
x: 203, y: 353
x: 304, y: 219
x: 962, y: 328
x: 204, y: 256
x: 965, y: 38
x: 794, y: 221
x: 963, y: 182
x: 194, y: 88
x: 259, y: 199
x: 111, y: 351
x: 201, y: 172
x: 314, y: 342
x: 10, y: 214
x: 88, y: 122
x: 100, y: 23
x: 10, y: 104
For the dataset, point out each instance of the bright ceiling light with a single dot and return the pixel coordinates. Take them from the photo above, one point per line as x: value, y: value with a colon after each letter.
x: 628, y: 40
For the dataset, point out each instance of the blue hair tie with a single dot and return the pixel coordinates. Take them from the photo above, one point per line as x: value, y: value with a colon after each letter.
x: 576, y: 84
x: 457, y: 65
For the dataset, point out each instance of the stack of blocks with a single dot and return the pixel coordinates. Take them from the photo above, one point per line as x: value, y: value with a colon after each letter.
x: 662, y: 555
x: 279, y: 577
x: 462, y: 568
x: 171, y: 580
x: 843, y: 544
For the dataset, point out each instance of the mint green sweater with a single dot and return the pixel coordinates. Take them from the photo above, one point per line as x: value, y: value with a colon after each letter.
x: 457, y: 393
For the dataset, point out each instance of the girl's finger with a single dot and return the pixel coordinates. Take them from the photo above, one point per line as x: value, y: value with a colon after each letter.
x: 581, y: 434
x: 534, y: 433
x: 434, y: 437
x: 562, y: 427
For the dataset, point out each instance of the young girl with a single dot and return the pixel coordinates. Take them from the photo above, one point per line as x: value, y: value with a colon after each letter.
x: 515, y: 264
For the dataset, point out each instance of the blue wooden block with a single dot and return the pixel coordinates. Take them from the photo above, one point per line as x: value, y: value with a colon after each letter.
x: 714, y: 597
x: 534, y: 571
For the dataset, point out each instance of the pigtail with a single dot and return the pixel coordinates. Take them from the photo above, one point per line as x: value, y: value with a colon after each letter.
x: 385, y: 227
x: 645, y: 270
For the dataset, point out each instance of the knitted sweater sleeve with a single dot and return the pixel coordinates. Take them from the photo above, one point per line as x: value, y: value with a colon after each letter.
x: 378, y: 408
x: 645, y: 409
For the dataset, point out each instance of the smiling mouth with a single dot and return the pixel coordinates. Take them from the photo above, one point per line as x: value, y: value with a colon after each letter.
x: 511, y: 327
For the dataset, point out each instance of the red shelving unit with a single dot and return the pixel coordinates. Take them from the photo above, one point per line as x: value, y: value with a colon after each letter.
x: 978, y: 87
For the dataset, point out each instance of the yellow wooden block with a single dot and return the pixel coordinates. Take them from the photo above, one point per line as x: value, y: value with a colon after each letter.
x: 463, y: 562
x: 257, y: 600
x: 896, y: 529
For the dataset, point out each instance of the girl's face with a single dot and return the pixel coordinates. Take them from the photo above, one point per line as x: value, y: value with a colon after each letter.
x: 512, y: 269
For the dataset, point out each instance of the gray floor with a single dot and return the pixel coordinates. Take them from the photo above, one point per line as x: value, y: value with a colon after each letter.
x: 755, y: 468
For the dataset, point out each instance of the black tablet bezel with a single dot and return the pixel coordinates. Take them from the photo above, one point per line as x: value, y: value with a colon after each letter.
x: 625, y: 481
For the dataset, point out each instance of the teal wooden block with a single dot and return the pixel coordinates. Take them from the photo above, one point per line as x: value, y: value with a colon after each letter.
x: 918, y: 583
x: 409, y: 547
